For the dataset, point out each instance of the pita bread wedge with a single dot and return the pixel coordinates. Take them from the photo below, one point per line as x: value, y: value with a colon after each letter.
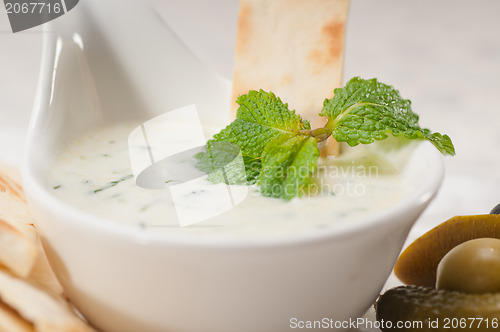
x: 20, y: 248
x: 45, y: 312
x: 13, y: 207
x: 294, y: 48
x: 17, y: 251
x: 11, y: 321
x: 43, y: 274
x: 9, y: 183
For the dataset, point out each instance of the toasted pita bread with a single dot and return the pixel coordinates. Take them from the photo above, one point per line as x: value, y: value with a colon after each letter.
x: 45, y: 312
x: 13, y: 207
x: 294, y: 48
x: 8, y: 185
x: 17, y: 251
x: 43, y: 274
x: 11, y: 321
x: 30, y: 295
x: 20, y: 248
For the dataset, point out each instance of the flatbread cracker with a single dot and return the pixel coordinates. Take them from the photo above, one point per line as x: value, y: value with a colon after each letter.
x: 294, y: 48
x: 45, y: 312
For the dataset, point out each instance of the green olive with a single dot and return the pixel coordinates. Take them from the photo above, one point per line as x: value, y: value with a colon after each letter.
x: 471, y: 267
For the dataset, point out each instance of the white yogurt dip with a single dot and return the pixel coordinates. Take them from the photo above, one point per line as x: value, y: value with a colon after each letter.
x: 94, y: 174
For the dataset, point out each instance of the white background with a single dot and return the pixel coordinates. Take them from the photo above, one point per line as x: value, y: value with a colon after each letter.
x: 443, y: 55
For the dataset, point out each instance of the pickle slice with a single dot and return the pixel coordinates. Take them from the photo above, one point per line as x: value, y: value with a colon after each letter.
x: 417, y: 308
x: 417, y: 265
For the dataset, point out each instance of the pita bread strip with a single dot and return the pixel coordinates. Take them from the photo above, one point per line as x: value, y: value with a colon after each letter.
x: 8, y: 185
x: 43, y: 274
x: 10, y: 321
x: 47, y: 313
x: 15, y: 212
x: 294, y: 48
x: 17, y: 252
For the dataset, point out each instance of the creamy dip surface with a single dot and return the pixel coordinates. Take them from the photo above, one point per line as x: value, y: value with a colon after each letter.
x: 94, y: 173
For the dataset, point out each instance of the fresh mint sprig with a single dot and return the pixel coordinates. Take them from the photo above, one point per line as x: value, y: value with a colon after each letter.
x: 280, y: 151
x: 367, y: 110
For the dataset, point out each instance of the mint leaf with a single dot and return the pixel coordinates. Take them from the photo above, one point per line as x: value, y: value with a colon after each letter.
x: 287, y: 166
x: 223, y: 163
x: 216, y: 155
x: 367, y: 110
x: 261, y: 118
x: 253, y: 168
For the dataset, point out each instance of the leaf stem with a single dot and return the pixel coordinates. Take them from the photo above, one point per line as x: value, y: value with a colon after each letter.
x: 330, y: 125
x: 321, y: 134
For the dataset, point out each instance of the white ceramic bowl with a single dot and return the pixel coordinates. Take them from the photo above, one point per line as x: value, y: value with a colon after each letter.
x: 99, y: 68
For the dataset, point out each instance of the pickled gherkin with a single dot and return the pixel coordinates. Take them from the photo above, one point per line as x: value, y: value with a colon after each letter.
x: 429, y: 309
